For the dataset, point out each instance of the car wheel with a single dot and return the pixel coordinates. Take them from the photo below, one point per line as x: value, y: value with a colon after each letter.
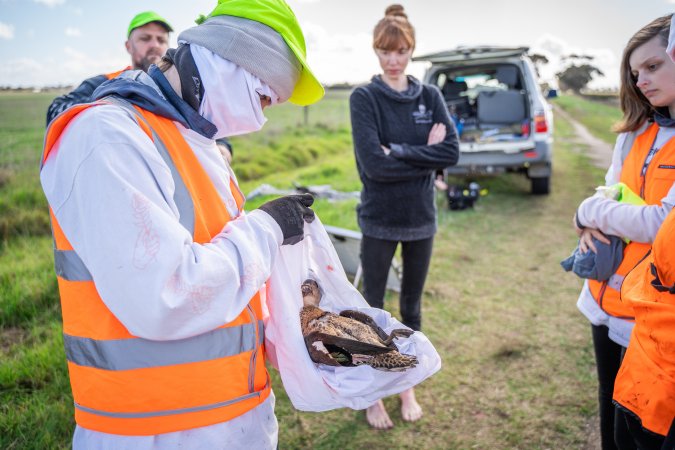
x: 541, y: 186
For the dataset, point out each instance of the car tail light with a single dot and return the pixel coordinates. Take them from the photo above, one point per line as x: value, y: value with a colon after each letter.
x: 540, y: 125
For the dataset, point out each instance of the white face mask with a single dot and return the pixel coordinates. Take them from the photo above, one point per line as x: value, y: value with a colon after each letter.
x: 231, y: 95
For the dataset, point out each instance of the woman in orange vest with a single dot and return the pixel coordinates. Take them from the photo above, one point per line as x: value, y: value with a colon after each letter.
x: 160, y: 271
x: 650, y: 290
x: 644, y: 390
x: 643, y: 159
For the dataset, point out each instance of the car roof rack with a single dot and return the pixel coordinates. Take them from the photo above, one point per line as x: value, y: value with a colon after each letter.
x: 471, y: 53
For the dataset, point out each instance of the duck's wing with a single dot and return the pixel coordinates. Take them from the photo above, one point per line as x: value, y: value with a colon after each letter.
x: 366, y: 320
x: 317, y: 349
x: 349, y: 345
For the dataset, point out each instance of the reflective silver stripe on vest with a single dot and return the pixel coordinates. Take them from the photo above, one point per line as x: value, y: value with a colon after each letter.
x: 140, y: 415
x: 137, y: 353
x: 251, y: 364
x: 69, y: 266
x: 261, y: 332
x: 181, y: 195
x: 615, y: 282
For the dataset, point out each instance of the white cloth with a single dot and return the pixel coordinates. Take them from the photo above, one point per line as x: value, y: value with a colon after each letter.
x: 318, y: 387
x: 637, y: 223
x: 113, y: 196
x: 231, y: 94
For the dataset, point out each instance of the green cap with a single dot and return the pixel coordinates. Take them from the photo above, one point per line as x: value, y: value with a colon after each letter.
x: 277, y: 15
x: 145, y: 18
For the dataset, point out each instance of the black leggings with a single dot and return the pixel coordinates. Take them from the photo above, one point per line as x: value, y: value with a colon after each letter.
x: 613, y: 429
x: 376, y: 257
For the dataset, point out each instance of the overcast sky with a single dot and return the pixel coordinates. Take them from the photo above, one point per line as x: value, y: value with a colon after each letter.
x: 49, y: 42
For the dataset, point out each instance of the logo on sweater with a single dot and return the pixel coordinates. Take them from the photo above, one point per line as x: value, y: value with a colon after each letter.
x: 422, y: 115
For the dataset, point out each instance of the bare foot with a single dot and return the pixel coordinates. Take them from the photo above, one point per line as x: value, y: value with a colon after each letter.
x: 411, y: 411
x: 377, y: 416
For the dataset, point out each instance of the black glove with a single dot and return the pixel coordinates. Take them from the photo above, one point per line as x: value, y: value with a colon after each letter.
x: 291, y: 213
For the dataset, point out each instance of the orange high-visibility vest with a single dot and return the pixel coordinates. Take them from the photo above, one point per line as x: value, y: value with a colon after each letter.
x: 645, y: 384
x: 126, y: 385
x: 112, y: 75
x: 652, y: 186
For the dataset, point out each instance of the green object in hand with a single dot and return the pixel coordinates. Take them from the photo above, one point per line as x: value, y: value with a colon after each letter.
x: 626, y: 195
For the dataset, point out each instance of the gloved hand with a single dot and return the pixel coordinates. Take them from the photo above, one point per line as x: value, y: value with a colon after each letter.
x: 291, y: 212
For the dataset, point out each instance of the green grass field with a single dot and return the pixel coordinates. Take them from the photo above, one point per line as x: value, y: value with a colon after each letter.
x: 517, y: 371
x: 598, y: 117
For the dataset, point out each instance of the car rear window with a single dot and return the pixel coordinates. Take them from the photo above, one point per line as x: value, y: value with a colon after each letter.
x: 487, y: 101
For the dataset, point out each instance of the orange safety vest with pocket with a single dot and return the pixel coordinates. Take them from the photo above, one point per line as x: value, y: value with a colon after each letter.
x: 651, y: 175
x: 645, y: 384
x: 123, y: 384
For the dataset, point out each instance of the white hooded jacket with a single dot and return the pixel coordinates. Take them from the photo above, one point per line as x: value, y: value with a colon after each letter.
x: 112, y: 195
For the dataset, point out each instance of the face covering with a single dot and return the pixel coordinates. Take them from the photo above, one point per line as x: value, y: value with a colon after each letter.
x: 231, y: 98
x: 191, y: 87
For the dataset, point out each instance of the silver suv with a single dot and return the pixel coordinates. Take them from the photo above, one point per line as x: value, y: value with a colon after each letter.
x: 504, y: 122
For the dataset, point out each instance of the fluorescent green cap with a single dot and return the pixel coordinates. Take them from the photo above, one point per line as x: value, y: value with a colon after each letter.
x: 145, y: 18
x: 277, y: 15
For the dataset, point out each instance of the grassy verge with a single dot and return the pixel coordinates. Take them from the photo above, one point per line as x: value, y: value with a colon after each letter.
x: 22, y: 206
x: 517, y: 363
x: 596, y: 116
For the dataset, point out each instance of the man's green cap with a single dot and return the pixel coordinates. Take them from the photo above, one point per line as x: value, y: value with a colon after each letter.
x: 145, y: 18
x: 277, y: 15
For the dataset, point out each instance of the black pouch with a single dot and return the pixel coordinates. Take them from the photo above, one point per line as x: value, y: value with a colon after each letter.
x: 462, y: 197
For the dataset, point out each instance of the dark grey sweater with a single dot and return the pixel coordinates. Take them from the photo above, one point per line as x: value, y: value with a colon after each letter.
x: 397, y: 200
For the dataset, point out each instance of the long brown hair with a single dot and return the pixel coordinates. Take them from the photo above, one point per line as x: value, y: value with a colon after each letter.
x: 635, y: 106
x: 394, y: 30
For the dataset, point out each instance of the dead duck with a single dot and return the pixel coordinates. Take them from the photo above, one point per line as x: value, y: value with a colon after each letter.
x: 350, y: 338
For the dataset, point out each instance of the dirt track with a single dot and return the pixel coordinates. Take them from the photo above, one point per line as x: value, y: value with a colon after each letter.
x: 599, y: 151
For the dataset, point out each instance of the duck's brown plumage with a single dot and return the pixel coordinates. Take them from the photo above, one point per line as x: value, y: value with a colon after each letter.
x: 351, y: 338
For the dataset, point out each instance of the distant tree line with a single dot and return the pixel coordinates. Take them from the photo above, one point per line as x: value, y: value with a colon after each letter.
x: 33, y: 88
x: 576, y: 74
